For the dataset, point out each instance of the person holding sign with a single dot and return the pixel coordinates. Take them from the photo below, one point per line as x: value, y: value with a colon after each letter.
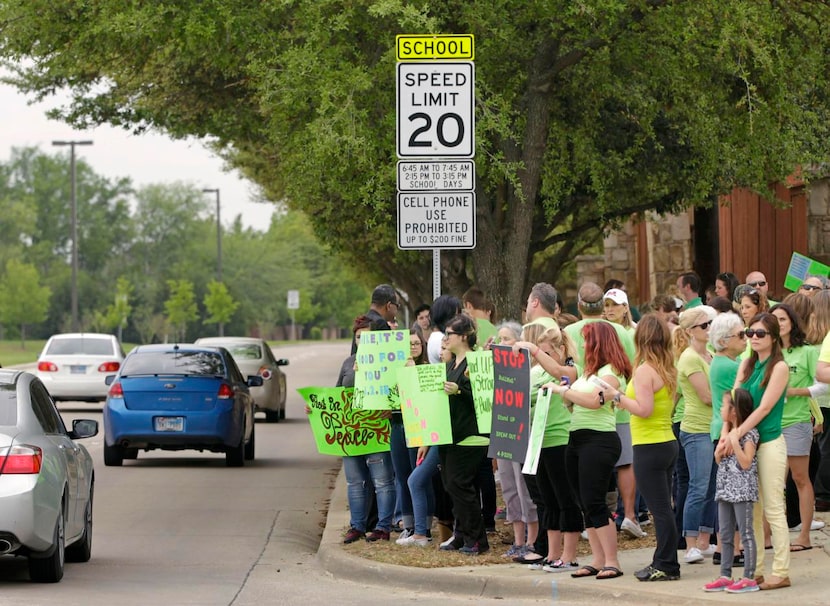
x: 461, y: 459
x: 593, y: 443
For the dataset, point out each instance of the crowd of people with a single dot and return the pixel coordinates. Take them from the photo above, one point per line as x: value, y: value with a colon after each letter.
x: 701, y: 412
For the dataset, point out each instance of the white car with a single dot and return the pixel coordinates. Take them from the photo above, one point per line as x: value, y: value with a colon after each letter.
x: 73, y: 366
x: 46, y: 479
x: 254, y: 357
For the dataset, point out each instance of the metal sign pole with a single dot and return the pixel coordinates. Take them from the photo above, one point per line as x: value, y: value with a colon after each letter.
x: 436, y: 273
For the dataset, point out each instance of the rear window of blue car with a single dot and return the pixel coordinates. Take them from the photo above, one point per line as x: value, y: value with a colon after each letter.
x: 8, y: 405
x: 206, y: 363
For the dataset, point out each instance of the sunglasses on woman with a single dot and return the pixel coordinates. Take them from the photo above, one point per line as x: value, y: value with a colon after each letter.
x: 809, y: 287
x: 756, y: 332
x: 704, y: 325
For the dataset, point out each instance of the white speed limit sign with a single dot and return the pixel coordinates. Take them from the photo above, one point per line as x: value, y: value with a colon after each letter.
x: 435, y: 110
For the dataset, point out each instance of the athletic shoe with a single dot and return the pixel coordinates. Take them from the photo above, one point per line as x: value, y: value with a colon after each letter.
x: 452, y: 544
x: 411, y: 541
x: 693, y: 556
x: 407, y: 532
x: 540, y: 565
x: 719, y: 584
x: 560, y: 566
x: 377, y: 535
x: 643, y: 519
x: 650, y: 573
x: 716, y: 558
x: 632, y: 529
x: 353, y: 535
x: 709, y: 551
x: 474, y: 549
x: 814, y: 525
x: 743, y: 586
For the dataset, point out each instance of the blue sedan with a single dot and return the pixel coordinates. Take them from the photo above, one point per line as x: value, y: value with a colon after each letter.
x: 179, y: 397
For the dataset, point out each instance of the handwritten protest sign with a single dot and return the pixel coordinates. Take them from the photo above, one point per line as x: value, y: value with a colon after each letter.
x: 424, y: 405
x: 480, y: 365
x: 537, y: 431
x: 341, y: 430
x: 800, y: 267
x: 379, y: 355
x: 511, y: 404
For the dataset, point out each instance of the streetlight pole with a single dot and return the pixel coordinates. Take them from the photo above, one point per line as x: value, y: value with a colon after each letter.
x: 218, y: 234
x: 74, y: 227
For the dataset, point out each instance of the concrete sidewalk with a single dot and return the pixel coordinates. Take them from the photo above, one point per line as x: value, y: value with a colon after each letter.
x: 810, y: 575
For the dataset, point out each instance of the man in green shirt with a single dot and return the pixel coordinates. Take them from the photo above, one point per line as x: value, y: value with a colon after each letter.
x: 478, y: 307
x: 689, y: 286
x: 756, y: 279
x: 590, y: 304
x: 541, y: 305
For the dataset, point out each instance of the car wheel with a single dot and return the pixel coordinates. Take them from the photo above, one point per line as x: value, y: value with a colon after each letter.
x: 82, y: 550
x: 113, y: 455
x: 235, y: 456
x: 249, y: 447
x: 272, y: 416
x: 131, y: 453
x: 49, y: 569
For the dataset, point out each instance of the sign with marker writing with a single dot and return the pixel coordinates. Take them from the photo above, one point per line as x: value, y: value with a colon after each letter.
x: 379, y: 355
x: 511, y: 404
x: 480, y: 365
x: 424, y: 405
x: 339, y: 429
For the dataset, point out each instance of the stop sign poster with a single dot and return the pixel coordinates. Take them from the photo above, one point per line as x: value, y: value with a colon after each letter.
x: 509, y: 434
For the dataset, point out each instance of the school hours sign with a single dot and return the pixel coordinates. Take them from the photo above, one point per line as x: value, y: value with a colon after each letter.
x: 435, y: 110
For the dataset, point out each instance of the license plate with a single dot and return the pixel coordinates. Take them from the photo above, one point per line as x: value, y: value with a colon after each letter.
x: 169, y: 423
x: 77, y: 370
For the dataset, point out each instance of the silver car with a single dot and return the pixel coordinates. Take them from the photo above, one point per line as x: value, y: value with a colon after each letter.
x: 46, y: 479
x: 73, y: 366
x: 254, y: 357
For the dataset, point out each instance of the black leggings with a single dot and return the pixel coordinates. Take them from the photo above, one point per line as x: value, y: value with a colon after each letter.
x: 561, y: 508
x: 589, y: 460
x: 653, y: 467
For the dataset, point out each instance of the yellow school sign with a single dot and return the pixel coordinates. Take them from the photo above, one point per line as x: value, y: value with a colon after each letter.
x: 435, y: 47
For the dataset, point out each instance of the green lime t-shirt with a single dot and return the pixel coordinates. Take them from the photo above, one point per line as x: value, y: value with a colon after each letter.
x: 802, y: 363
x: 603, y: 418
x: 722, y: 375
x: 574, y: 331
x: 484, y: 330
x: 697, y: 416
x: 770, y: 425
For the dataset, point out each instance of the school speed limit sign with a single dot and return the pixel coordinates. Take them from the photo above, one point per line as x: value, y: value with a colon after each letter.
x: 435, y: 110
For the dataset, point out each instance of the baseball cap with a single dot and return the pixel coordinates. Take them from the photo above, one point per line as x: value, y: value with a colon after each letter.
x: 617, y: 296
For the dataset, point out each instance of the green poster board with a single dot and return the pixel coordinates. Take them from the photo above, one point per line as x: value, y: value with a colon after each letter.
x: 379, y: 355
x: 801, y: 267
x: 341, y: 430
x: 424, y: 405
x: 537, y: 431
x: 480, y: 366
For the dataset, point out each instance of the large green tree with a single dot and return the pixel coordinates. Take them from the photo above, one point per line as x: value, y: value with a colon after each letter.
x: 586, y: 111
x: 23, y: 299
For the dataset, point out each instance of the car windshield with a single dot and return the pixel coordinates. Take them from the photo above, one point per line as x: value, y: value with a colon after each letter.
x: 8, y: 405
x: 80, y: 345
x: 245, y: 352
x: 205, y: 363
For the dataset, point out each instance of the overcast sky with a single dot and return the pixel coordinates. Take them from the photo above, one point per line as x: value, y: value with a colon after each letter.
x: 146, y: 159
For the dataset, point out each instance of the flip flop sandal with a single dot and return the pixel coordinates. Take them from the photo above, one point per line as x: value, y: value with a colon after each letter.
x: 616, y: 572
x: 795, y: 548
x: 590, y: 571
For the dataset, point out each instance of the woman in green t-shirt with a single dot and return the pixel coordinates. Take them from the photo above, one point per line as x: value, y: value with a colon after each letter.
x: 765, y: 375
x: 593, y: 443
x: 797, y: 419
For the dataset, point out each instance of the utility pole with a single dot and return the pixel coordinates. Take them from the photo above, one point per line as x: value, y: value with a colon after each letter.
x: 74, y: 226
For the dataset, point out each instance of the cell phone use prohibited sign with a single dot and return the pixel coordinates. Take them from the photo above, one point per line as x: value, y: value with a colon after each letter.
x: 435, y: 110
x: 429, y: 220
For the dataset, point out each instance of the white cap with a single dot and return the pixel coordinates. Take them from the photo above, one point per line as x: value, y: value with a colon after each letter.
x: 617, y: 296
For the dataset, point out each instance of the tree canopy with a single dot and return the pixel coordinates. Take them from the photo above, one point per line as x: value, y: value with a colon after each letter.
x: 587, y: 112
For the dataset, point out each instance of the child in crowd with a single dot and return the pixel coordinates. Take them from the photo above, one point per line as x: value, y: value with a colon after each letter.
x: 736, y: 492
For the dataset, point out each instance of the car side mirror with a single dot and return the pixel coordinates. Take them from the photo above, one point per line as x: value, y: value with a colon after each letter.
x: 282, y: 362
x: 83, y: 428
x: 254, y: 381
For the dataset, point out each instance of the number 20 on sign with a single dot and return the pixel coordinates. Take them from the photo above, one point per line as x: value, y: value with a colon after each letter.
x: 435, y: 110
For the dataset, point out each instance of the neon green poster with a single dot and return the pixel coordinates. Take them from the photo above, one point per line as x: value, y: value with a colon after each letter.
x: 801, y: 267
x: 424, y: 405
x: 480, y: 365
x: 379, y: 355
x: 341, y: 430
x: 537, y: 431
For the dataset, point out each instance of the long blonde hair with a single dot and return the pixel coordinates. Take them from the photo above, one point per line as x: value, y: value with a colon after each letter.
x: 819, y: 323
x: 653, y: 339
x: 558, y: 338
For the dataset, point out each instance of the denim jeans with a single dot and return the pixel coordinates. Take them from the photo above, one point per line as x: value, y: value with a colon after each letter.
x: 362, y: 473
x: 699, y: 511
x: 403, y: 462
x: 423, y: 496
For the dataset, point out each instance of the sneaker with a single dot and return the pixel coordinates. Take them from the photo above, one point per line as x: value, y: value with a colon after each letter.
x: 411, y: 541
x: 716, y: 558
x: 406, y: 532
x: 738, y: 560
x: 539, y: 565
x: 560, y: 566
x: 452, y: 544
x: 353, y: 535
x: 709, y: 551
x: 396, y: 527
x: 377, y: 535
x: 632, y: 529
x: 643, y: 519
x: 743, y: 586
x: 814, y: 525
x: 584, y: 534
x: 501, y: 513
x: 693, y: 556
x: 474, y: 549
x: 718, y: 584
x: 650, y: 573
